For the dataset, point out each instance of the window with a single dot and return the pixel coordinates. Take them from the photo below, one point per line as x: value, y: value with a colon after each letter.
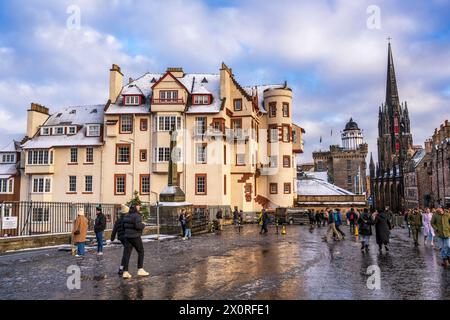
x: 41, y: 185
x: 8, y: 158
x: 287, y: 188
x: 40, y: 215
x: 6, y: 186
x: 73, y: 155
x: 273, y: 133
x: 286, y: 132
x: 119, y: 184
x: 319, y: 165
x: 145, y: 183
x: 72, y: 184
x: 59, y: 130
x: 349, y: 179
x: 240, y: 159
x: 143, y: 155
x: 273, y: 188
x: 45, y: 131
x: 201, y: 153
x: 144, y: 125
x: 123, y: 154
x: 166, y: 123
x: 126, y: 124
x: 162, y: 154
x: 132, y: 100
x: 93, y: 130
x: 286, y: 161
x: 272, y: 109
x: 237, y: 103
x: 237, y: 126
x: 40, y: 157
x: 200, y: 184
x: 294, y: 136
x: 349, y: 164
x: 285, y: 109
x: 88, y: 184
x: 168, y: 96
x: 89, y: 155
x: 72, y: 130
x: 200, y: 125
x: 273, y: 161
x: 201, y: 99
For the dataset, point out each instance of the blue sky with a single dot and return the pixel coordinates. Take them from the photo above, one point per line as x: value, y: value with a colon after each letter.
x: 334, y: 62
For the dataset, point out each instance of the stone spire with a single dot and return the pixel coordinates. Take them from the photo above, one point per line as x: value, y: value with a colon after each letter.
x: 392, y: 99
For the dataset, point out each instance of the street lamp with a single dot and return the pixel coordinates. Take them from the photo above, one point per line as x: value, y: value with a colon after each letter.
x: 157, y: 214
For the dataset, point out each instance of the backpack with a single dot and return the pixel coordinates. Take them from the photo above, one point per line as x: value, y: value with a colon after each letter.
x: 352, y: 216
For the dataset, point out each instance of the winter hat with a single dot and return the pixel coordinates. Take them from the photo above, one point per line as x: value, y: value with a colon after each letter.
x: 99, y: 207
x: 81, y: 211
x: 124, y: 209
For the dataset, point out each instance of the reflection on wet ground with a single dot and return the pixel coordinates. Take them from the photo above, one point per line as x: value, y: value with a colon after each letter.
x: 235, y: 265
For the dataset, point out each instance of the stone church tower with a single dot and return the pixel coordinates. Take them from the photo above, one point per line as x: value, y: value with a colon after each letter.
x: 394, y: 145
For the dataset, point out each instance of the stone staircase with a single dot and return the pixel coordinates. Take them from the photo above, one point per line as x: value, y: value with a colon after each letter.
x: 245, y: 177
x: 263, y: 201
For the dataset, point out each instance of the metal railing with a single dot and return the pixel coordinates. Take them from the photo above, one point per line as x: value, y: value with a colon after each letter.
x: 20, y: 219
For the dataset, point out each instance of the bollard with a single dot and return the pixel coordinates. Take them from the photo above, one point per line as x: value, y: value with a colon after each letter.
x: 356, y: 231
x: 283, y: 230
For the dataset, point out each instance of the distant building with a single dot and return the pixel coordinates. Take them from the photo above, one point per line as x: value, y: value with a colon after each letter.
x: 346, y: 165
x: 417, y: 180
x: 440, y: 157
x: 9, y: 172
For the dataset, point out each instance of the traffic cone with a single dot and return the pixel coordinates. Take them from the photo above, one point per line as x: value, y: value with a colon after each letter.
x: 283, y: 230
x: 356, y: 231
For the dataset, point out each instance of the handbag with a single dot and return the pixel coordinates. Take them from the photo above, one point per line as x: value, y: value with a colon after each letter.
x: 77, y: 232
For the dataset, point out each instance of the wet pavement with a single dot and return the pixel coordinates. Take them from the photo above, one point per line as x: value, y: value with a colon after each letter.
x: 233, y: 265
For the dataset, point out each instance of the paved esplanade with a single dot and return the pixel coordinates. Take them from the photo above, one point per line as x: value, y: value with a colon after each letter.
x: 236, y: 266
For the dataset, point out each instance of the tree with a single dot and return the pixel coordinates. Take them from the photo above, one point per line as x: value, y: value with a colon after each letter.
x: 137, y: 201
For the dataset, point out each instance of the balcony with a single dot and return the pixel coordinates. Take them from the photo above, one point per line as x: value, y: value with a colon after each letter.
x: 167, y: 101
x: 39, y: 169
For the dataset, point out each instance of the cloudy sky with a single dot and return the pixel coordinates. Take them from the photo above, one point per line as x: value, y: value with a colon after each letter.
x: 332, y: 53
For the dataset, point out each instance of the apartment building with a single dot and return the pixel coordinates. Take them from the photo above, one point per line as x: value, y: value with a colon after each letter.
x: 236, y: 145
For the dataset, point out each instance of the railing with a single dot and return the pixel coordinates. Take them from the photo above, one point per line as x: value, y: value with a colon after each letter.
x: 20, y: 219
x: 167, y: 101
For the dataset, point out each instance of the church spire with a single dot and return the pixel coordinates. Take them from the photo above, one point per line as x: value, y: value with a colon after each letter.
x: 392, y: 98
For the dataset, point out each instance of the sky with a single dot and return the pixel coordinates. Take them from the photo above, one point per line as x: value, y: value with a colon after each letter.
x: 333, y: 55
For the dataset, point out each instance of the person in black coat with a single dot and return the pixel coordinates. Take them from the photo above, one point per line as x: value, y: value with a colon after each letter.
x: 182, y: 219
x: 382, y: 229
x: 365, y: 223
x: 99, y: 228
x: 133, y: 226
x: 119, y: 230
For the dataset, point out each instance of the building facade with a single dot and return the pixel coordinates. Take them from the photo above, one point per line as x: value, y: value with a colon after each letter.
x: 440, y: 158
x: 10, y: 172
x: 395, y: 145
x: 236, y: 145
x: 417, y: 180
x: 346, y: 164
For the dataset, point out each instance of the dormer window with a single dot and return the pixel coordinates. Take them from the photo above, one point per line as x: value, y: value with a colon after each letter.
x: 58, y: 131
x: 132, y: 100
x: 93, y: 130
x: 72, y: 130
x: 8, y: 158
x: 45, y: 131
x: 201, y: 99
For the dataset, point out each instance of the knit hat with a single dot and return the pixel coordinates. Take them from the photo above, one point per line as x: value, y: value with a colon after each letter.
x: 81, y: 211
x: 124, y: 209
x: 99, y: 207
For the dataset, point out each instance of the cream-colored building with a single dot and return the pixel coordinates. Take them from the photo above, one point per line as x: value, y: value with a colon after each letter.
x: 236, y: 145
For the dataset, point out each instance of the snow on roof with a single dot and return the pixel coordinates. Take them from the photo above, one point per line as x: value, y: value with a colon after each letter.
x: 131, y: 89
x: 7, y: 170
x: 82, y: 116
x: 115, y: 109
x: 317, y: 187
x: 251, y: 90
x: 418, y: 156
x: 11, y: 147
x: 317, y: 175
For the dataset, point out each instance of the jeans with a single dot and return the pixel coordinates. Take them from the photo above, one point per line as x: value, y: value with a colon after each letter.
x: 99, y: 236
x: 264, y: 228
x: 188, y: 233
x: 183, y: 229
x: 80, y: 248
x: 332, y: 230
x: 365, y: 239
x: 131, y: 243
x: 444, y: 246
x: 415, y: 234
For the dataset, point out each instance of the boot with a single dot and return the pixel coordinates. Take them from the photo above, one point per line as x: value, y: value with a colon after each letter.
x: 126, y: 275
x: 143, y: 273
x: 367, y: 247
x: 362, y: 246
x: 445, y: 263
x: 386, y: 247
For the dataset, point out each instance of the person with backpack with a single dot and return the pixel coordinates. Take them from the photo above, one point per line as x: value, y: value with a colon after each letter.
x: 99, y: 228
x: 331, y: 231
x: 119, y: 230
x: 351, y: 216
x: 338, y: 222
x: 219, y: 217
x: 365, y: 223
x: 182, y: 219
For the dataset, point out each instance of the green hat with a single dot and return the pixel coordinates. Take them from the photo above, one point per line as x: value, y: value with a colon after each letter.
x: 99, y: 207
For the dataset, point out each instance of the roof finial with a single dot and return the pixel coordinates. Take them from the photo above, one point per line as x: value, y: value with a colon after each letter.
x: 389, y: 39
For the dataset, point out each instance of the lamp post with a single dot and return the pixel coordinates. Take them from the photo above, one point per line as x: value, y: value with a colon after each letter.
x: 157, y: 215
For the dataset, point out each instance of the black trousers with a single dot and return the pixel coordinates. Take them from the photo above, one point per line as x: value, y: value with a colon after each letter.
x: 340, y: 231
x: 131, y: 243
x: 264, y: 228
x: 352, y: 226
x: 124, y: 242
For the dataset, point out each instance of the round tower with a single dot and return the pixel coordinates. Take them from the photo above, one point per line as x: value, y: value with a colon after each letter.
x: 278, y: 103
x: 352, y: 136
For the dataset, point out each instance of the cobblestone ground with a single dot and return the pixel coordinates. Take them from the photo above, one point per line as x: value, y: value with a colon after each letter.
x: 234, y: 265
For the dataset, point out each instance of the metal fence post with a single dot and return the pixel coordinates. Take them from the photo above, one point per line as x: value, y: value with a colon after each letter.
x: 157, y: 219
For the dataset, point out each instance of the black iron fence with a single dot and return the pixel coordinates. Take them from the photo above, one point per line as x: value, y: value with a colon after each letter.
x: 40, y: 218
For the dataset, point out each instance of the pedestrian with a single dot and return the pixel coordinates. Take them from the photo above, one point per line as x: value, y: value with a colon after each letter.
x: 415, y: 222
x: 331, y: 231
x: 79, y: 232
x: 428, y: 232
x: 407, y: 213
x: 119, y: 230
x: 188, y: 233
x: 365, y: 223
x: 219, y: 217
x: 235, y: 216
x: 312, y: 220
x: 133, y: 226
x: 319, y: 218
x: 352, y: 217
x: 441, y: 225
x: 99, y: 228
x: 338, y: 222
x: 241, y: 216
x: 264, y: 221
x: 182, y: 219
x: 324, y: 217
x: 383, y: 229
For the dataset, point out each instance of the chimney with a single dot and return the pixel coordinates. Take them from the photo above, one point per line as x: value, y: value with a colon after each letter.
x: 115, y: 82
x: 176, y: 72
x: 428, y: 145
x: 36, y: 117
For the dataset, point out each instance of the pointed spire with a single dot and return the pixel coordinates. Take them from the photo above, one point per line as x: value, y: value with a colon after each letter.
x: 392, y: 98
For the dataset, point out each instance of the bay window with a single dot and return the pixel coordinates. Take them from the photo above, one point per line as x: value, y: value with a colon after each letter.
x: 40, y: 157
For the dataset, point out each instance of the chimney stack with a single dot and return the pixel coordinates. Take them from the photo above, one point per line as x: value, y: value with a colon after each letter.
x: 36, y: 117
x: 115, y: 82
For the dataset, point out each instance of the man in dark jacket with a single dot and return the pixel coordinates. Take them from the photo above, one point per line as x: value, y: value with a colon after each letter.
x: 352, y: 217
x: 415, y: 222
x: 265, y: 222
x: 182, y: 219
x: 382, y: 230
x: 318, y: 219
x: 365, y: 223
x: 133, y: 226
x: 99, y: 227
x: 119, y: 230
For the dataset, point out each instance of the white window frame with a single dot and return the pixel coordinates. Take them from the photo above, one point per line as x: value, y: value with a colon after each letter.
x: 200, y: 125
x: 240, y: 159
x: 165, y: 122
x: 125, y: 124
x: 38, y: 157
x: 88, y: 183
x: 273, y: 161
x: 89, y: 151
x: 46, y: 185
x: 147, y: 190
x: 71, y: 130
x: 7, y: 186
x: 93, y: 130
x: 8, y: 158
x: 131, y: 100
x: 162, y: 155
x: 119, y: 154
x: 73, y: 155
x: 201, y: 153
x: 46, y: 131
x: 274, y: 134
x: 201, y: 99
x: 56, y: 133
x: 168, y: 95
